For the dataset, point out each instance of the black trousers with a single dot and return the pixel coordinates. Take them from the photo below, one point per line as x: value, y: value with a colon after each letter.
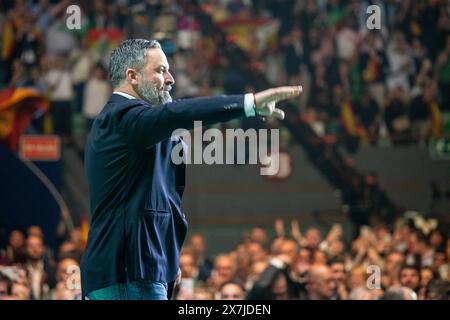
x: 61, y: 112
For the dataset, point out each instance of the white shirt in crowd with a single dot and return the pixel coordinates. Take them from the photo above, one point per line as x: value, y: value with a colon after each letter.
x: 83, y: 60
x: 346, y: 43
x: 401, y: 66
x: 96, y: 94
x: 36, y: 274
x: 60, y: 83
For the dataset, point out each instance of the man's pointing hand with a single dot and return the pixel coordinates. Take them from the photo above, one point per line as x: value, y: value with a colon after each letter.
x: 265, y: 101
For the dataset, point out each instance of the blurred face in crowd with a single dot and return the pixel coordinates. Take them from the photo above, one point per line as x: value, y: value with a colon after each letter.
x: 16, y: 239
x: 35, y: 231
x: 386, y: 280
x: 357, y: 278
x: 256, y: 252
x: 154, y: 81
x: 426, y: 274
x: 437, y: 290
x: 75, y: 235
x: 397, y: 292
x: 276, y: 245
x: 320, y: 257
x: 400, y: 235
x: 338, y: 271
x: 259, y: 235
x: 279, y: 287
x: 187, y: 265
x: 69, y: 281
x: 336, y: 247
x: 66, y: 268
x: 321, y: 284
x: 362, y: 293
x: 224, y: 268
x: 304, y: 255
x: 197, y: 243
x: 62, y: 293
x: 381, y: 232
x: 35, y: 248
x: 393, y: 262
x: 289, y: 248
x: 243, y: 260
x: 203, y: 294
x: 421, y: 246
x: 436, y: 239
x: 20, y: 291
x: 303, y: 261
x: 313, y: 238
x: 409, y: 277
x: 232, y: 291
x: 3, y: 287
x: 416, y: 244
x: 439, y: 259
x: 67, y: 248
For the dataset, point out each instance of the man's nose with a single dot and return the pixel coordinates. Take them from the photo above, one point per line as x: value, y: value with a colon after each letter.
x: 169, y: 79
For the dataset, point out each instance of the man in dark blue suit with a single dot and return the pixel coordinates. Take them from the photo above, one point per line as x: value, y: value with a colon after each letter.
x: 137, y: 228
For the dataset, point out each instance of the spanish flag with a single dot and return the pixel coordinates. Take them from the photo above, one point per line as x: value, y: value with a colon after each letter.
x: 102, y: 39
x: 7, y: 40
x: 437, y: 125
x: 348, y: 118
x: 84, y: 231
x: 371, y: 71
x: 17, y: 106
x: 416, y: 29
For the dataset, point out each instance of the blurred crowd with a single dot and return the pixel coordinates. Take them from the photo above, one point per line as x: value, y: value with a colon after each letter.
x: 365, y: 87
x: 30, y: 270
x: 361, y: 86
x: 408, y: 261
x: 399, y: 263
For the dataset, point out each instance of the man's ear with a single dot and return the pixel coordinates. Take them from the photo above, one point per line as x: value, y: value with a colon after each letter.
x: 131, y: 76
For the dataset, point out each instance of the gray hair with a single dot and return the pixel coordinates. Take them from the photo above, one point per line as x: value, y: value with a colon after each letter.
x: 397, y: 292
x: 361, y: 293
x: 130, y: 53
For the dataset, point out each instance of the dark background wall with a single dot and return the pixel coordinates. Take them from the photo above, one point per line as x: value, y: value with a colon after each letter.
x: 24, y: 199
x: 223, y: 201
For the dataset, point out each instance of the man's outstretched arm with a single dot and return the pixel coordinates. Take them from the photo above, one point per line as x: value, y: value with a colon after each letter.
x: 146, y: 125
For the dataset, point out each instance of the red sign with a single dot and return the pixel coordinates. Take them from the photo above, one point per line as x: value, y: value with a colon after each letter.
x: 40, y: 147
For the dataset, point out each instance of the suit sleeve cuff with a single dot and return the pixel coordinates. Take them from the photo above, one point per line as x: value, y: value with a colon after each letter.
x: 249, y: 105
